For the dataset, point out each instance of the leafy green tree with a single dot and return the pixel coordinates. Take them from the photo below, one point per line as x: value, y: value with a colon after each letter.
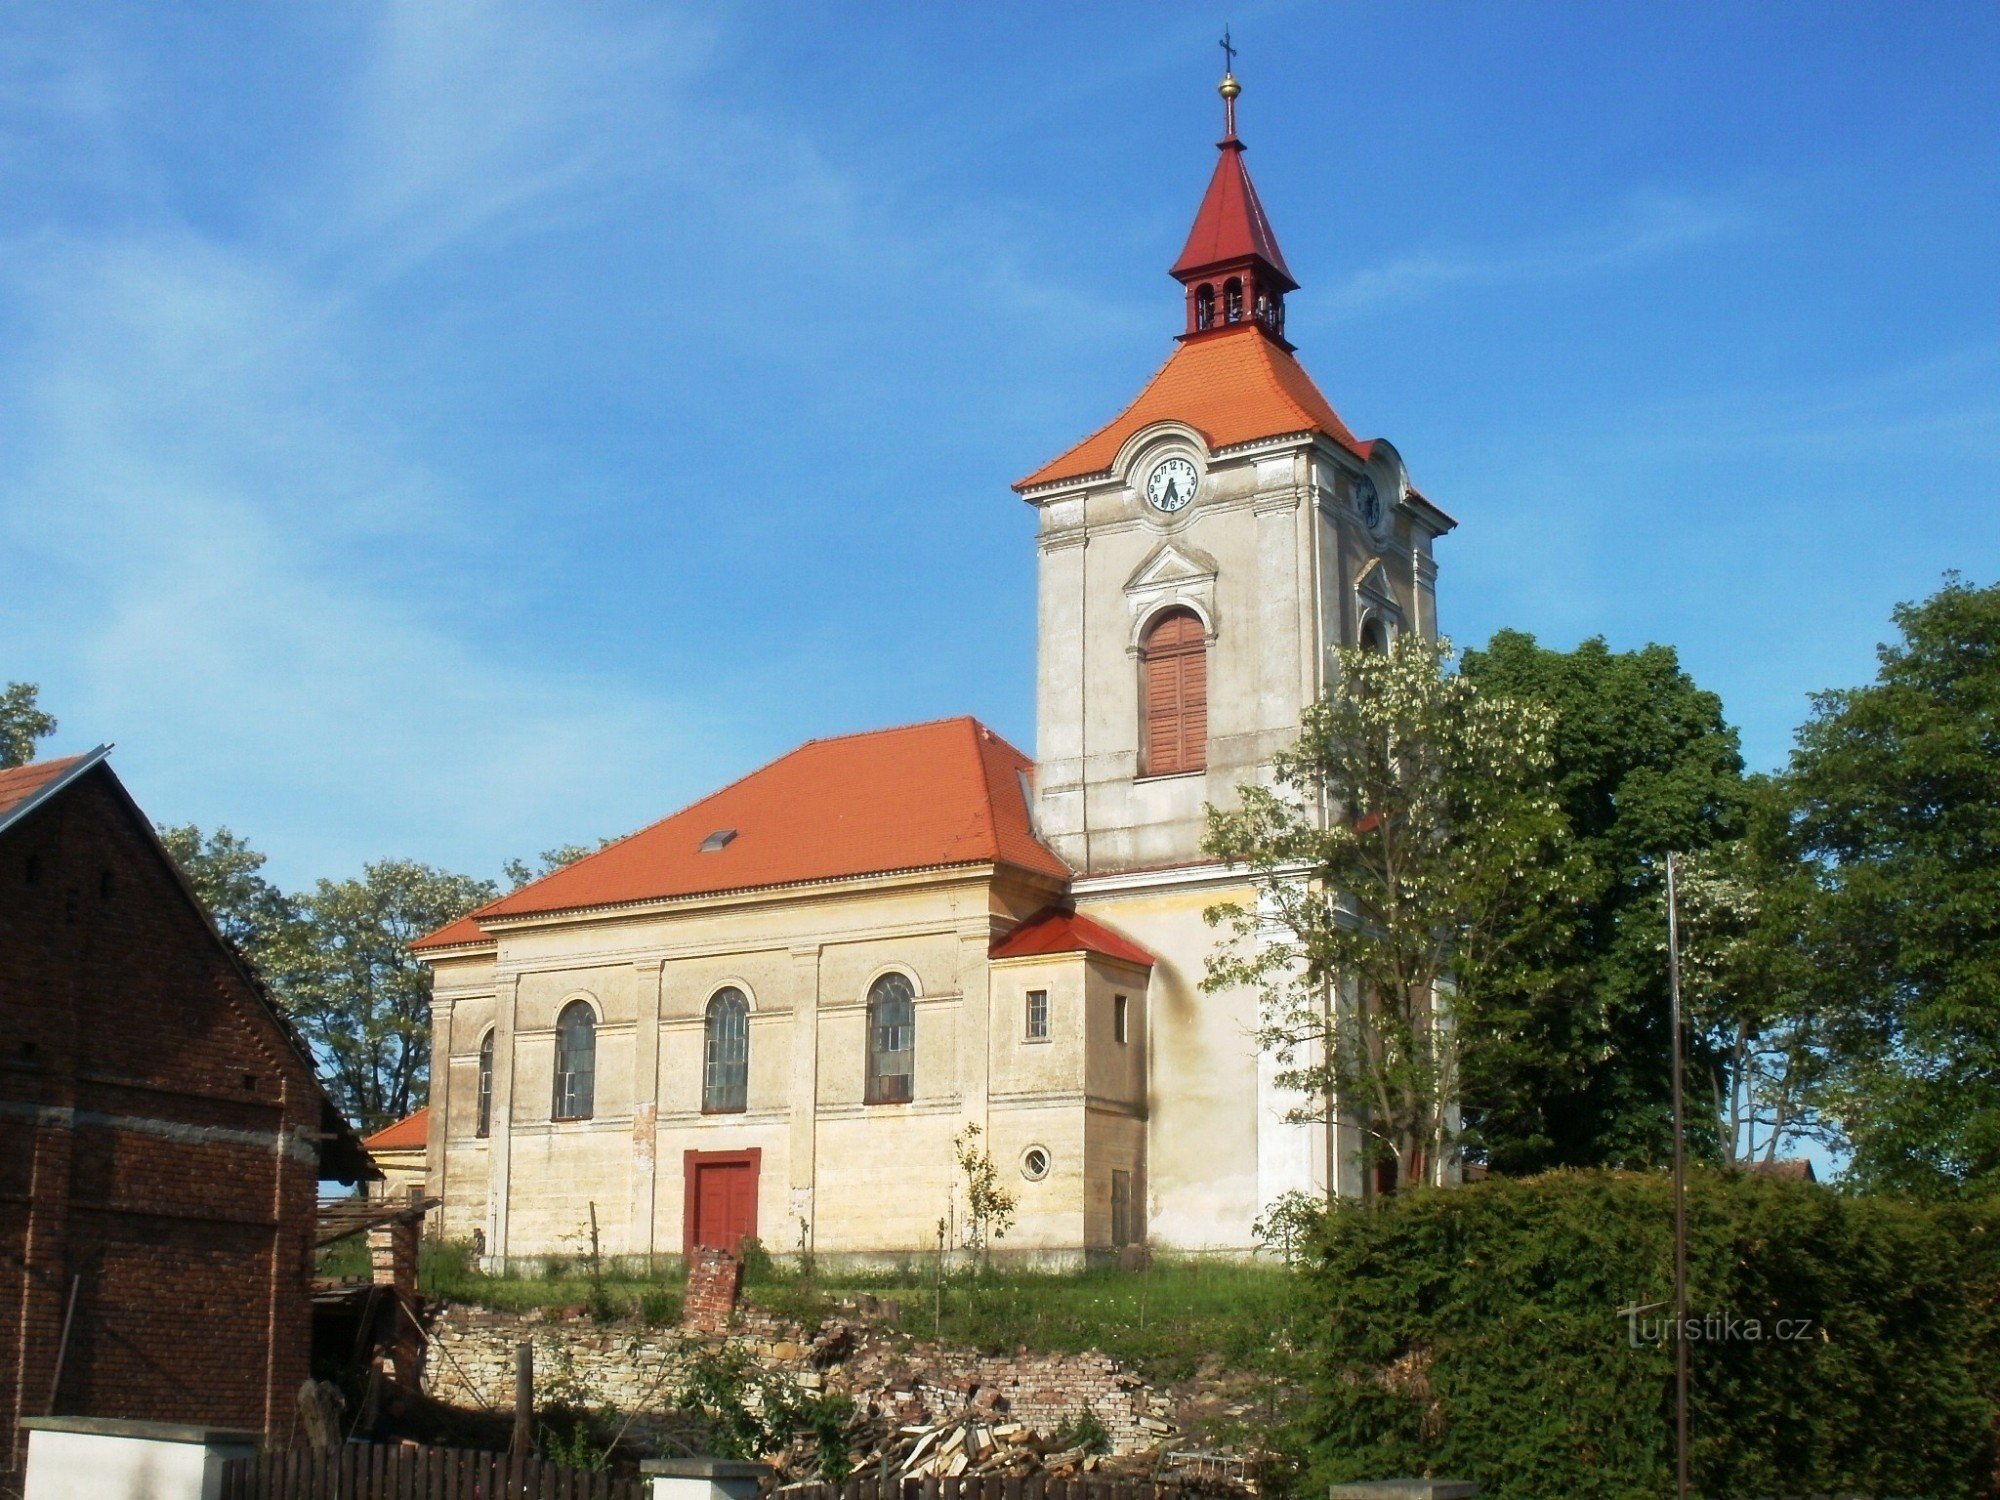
x: 1410, y: 847
x: 1895, y: 791
x: 1760, y: 1046
x: 518, y: 872
x: 360, y: 997
x: 227, y: 873
x: 23, y: 724
x: 1571, y: 1063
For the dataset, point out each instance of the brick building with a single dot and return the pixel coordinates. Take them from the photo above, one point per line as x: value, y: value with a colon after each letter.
x: 162, y: 1133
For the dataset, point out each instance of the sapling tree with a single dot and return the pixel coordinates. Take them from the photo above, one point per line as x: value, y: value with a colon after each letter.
x: 989, y: 1207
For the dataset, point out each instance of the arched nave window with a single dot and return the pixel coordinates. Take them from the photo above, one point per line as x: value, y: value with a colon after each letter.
x: 892, y: 1040
x: 576, y: 1061
x: 483, y: 1120
x: 1173, y: 694
x: 725, y: 1077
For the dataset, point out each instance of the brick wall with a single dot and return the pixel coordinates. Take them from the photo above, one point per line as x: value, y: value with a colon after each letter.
x: 157, y: 1142
x: 714, y: 1279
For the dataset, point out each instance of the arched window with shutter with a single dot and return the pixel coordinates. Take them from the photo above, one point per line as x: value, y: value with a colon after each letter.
x: 576, y: 1062
x: 892, y: 1040
x: 1173, y: 694
x: 483, y: 1122
x: 725, y: 1079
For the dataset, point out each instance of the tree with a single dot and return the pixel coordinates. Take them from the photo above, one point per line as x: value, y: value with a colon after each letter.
x: 1381, y: 920
x: 226, y: 873
x: 518, y: 872
x: 1573, y: 1069
x: 22, y: 724
x: 989, y: 1207
x: 1895, y: 795
x: 1757, y: 1028
x: 356, y: 991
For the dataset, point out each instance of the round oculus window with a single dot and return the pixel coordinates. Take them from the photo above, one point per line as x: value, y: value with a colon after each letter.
x: 1035, y: 1163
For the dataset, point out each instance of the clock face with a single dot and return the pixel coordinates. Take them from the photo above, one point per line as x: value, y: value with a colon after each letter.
x: 1368, y: 501
x: 1171, y: 484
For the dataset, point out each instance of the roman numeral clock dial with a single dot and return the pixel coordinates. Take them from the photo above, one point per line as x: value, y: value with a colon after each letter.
x: 1171, y: 485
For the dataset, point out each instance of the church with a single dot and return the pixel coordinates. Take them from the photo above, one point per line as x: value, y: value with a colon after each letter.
x: 774, y: 1012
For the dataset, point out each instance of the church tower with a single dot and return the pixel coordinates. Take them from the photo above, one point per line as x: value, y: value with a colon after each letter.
x: 1199, y: 558
x: 1201, y: 553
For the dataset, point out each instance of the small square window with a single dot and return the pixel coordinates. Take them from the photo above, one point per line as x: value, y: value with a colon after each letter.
x: 1120, y: 1025
x: 1038, y: 1015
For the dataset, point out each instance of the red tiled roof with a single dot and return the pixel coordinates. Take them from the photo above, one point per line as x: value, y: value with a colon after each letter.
x: 925, y: 795
x: 1231, y: 224
x: 1235, y: 386
x: 411, y: 1133
x: 1056, y: 929
x: 20, y: 783
x: 452, y: 934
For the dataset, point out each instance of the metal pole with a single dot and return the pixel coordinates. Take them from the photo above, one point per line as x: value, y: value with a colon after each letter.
x: 62, y: 1344
x: 1680, y: 1196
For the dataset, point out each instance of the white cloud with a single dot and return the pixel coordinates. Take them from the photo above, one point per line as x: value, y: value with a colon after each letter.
x: 1646, y: 225
x: 215, y: 529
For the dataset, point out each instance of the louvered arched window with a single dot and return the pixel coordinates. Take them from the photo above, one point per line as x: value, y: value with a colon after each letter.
x: 725, y: 1076
x: 576, y: 1061
x: 892, y: 1040
x: 1204, y: 307
x: 1173, y: 694
x: 483, y: 1122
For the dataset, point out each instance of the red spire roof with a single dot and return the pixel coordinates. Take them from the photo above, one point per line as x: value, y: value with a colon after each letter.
x: 951, y: 792
x: 1231, y: 226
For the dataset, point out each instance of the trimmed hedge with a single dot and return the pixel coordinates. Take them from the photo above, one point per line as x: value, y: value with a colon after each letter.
x: 1476, y: 1333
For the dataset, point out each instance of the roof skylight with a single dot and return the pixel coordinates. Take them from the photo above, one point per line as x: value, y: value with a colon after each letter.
x: 716, y: 841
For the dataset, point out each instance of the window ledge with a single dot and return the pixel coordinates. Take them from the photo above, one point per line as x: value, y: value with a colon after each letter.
x: 1173, y: 775
x: 1036, y: 1041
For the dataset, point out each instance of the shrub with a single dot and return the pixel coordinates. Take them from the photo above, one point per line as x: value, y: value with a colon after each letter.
x: 660, y: 1308
x: 1480, y: 1333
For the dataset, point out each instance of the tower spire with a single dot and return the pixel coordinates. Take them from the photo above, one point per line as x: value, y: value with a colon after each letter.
x: 1232, y: 267
x: 1229, y: 88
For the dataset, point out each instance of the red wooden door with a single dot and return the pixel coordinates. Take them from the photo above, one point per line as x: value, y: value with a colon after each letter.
x: 721, y: 1198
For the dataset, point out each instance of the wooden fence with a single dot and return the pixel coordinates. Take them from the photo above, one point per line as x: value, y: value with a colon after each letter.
x: 365, y: 1471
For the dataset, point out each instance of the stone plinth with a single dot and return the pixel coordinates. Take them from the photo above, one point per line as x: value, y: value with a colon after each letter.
x: 90, y: 1458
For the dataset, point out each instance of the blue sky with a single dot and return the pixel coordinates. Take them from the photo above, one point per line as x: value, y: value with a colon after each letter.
x: 447, y: 429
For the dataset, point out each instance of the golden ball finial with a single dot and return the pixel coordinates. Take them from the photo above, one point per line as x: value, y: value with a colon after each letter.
x: 1229, y: 88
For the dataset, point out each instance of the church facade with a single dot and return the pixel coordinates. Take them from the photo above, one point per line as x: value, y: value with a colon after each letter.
x: 775, y: 1012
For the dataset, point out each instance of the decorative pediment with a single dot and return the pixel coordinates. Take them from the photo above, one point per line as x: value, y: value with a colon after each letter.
x: 1373, y: 583
x: 1173, y: 574
x: 1170, y: 564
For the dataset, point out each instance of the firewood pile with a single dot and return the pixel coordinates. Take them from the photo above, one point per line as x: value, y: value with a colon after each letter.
x: 972, y: 1445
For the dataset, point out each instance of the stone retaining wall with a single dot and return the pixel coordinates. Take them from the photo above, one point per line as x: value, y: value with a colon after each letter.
x: 471, y: 1363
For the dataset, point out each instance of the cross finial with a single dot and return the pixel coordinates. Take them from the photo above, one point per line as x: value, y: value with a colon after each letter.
x: 1229, y: 87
